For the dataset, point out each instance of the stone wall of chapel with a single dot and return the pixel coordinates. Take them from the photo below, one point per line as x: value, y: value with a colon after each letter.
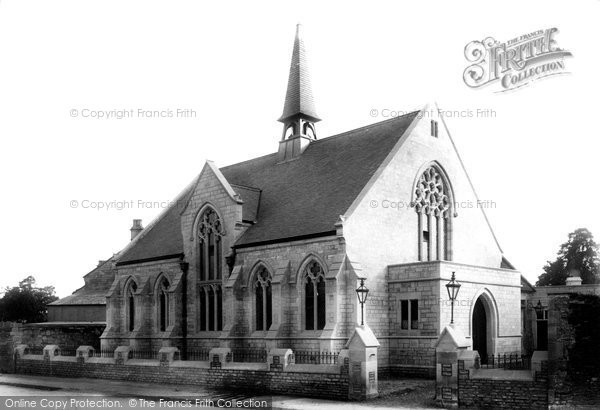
x: 147, y: 334
x: 409, y: 349
x: 209, y: 191
x: 339, y: 307
x: 381, y: 229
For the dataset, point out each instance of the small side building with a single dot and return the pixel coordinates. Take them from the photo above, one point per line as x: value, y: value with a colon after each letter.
x: 88, y: 303
x: 537, y: 306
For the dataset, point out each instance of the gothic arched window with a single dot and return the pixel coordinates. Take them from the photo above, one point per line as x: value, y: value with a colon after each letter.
x: 210, y: 232
x: 263, y: 299
x: 433, y: 205
x: 314, y: 297
x: 130, y: 304
x: 163, y: 304
x: 210, y: 254
x: 210, y: 308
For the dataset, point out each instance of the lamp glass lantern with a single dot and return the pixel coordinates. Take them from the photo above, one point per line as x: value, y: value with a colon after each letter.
x: 452, y: 287
x: 539, y: 309
x: 362, y: 292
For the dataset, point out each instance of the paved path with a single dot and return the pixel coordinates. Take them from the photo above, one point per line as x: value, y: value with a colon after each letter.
x: 52, y: 388
x: 67, y: 386
x: 26, y: 385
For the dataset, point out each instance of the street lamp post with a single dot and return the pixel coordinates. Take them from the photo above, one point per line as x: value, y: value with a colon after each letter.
x: 453, y: 287
x: 362, y: 293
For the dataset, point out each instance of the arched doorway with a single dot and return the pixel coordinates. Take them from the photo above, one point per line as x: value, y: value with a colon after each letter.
x: 479, y: 330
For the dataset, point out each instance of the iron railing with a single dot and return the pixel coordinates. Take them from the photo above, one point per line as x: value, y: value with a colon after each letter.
x: 314, y: 357
x: 143, y: 354
x: 68, y: 351
x: 248, y: 355
x: 506, y: 361
x: 106, y: 353
x: 39, y: 350
x: 197, y: 355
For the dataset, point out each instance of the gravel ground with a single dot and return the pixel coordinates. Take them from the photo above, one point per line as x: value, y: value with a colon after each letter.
x: 406, y: 393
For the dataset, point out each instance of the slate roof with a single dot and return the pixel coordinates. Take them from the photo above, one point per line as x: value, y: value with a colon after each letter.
x: 526, y: 286
x: 82, y: 298
x: 506, y: 264
x: 299, y: 97
x: 97, y: 284
x: 163, y: 238
x: 251, y: 198
x: 298, y: 198
x: 307, y: 195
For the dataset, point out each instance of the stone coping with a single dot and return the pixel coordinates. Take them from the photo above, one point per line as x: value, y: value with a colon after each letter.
x: 63, y: 324
x: 570, y: 287
x: 243, y: 366
x: 32, y: 357
x: 142, y: 362
x: 108, y: 360
x: 314, y: 368
x: 439, y: 262
x: 71, y: 359
x: 294, y: 368
x: 190, y: 363
x: 501, y: 374
x: 40, y: 357
x: 396, y: 366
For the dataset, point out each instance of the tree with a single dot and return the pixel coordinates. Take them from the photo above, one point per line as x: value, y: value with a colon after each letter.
x: 579, y: 253
x: 26, y: 303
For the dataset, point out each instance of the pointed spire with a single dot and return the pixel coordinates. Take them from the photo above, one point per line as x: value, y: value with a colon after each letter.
x: 299, y: 114
x: 299, y: 101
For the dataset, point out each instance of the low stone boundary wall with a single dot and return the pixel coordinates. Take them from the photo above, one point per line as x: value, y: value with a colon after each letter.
x: 411, y: 372
x: 350, y: 374
x: 62, y: 334
x: 245, y: 376
x: 6, y: 348
x: 502, y: 392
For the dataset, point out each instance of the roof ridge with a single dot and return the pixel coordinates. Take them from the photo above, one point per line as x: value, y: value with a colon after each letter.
x: 281, y: 210
x: 326, y: 139
x: 248, y: 160
x: 100, y: 265
x: 247, y: 187
x: 365, y: 127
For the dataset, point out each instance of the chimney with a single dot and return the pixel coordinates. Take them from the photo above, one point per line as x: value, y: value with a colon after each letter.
x: 574, y: 278
x: 136, y: 228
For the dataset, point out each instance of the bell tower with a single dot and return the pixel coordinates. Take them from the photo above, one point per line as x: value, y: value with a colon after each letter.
x: 299, y: 115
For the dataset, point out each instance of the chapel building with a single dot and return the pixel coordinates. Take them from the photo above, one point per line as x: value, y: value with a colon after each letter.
x: 269, y: 252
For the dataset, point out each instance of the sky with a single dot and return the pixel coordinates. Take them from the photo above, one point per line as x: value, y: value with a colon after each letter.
x: 224, y: 66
